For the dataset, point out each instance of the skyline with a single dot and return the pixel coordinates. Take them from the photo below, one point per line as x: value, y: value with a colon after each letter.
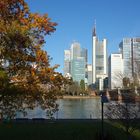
x: 114, y: 21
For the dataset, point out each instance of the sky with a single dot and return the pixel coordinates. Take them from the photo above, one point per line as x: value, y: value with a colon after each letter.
x: 115, y: 20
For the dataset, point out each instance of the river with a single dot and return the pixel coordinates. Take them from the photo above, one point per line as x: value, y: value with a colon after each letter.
x: 71, y: 109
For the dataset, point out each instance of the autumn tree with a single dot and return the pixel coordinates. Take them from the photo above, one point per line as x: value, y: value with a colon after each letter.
x: 24, y: 66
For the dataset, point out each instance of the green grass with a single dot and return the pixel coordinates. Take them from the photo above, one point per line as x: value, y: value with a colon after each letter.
x: 61, y: 131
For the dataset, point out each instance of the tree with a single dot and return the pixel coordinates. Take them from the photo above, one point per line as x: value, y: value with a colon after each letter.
x: 126, y: 82
x: 127, y: 109
x: 82, y: 85
x: 31, y: 80
x: 73, y: 88
x: 127, y: 112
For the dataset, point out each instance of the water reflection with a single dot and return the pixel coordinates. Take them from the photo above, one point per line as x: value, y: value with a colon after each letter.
x: 79, y: 108
x: 71, y: 109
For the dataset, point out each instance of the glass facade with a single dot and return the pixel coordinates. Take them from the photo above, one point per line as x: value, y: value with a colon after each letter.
x: 130, y: 49
x: 89, y: 74
x: 115, y: 71
x: 99, y: 58
x: 136, y: 56
x: 99, y: 62
x: 67, y: 62
x: 84, y: 54
x: 75, y: 50
x: 75, y: 62
x: 67, y: 67
x: 127, y: 55
x: 78, y: 69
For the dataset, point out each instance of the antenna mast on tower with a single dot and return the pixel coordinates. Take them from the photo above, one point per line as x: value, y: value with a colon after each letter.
x: 94, y: 29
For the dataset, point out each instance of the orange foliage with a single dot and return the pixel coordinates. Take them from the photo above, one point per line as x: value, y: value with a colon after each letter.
x: 21, y: 39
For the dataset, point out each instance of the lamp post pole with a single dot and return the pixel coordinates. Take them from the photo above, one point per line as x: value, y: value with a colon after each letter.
x: 102, y: 111
x: 104, y: 99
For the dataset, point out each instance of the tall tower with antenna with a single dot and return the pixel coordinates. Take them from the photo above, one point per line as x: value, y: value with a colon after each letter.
x: 94, y: 40
x: 94, y: 29
x: 99, y: 60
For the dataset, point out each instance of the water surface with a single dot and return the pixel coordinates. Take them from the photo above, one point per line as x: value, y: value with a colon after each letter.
x: 71, y: 109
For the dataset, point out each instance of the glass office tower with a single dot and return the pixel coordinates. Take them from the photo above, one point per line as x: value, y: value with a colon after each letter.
x: 78, y: 69
x: 77, y: 62
x: 99, y: 60
x: 130, y: 49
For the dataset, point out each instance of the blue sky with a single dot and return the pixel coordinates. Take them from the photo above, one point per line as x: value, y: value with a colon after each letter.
x: 115, y: 19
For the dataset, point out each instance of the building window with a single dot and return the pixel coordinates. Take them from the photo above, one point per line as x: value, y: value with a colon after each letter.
x: 99, y: 56
x: 99, y: 68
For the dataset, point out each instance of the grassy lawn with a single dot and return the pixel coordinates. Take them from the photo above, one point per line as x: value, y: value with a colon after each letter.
x: 74, y: 130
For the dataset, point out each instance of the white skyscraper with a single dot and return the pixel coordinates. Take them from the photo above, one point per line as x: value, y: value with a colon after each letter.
x: 75, y: 50
x: 67, y: 62
x: 115, y: 71
x: 89, y: 74
x: 99, y: 60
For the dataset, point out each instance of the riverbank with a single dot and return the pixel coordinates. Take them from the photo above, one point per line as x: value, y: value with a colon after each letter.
x: 80, y: 97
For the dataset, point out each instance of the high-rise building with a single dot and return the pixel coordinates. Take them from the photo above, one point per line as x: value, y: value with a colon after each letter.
x: 84, y: 54
x: 67, y: 62
x: 99, y: 60
x: 136, y: 56
x: 75, y: 50
x: 115, y: 71
x: 126, y: 50
x: 75, y: 62
x: 78, y: 69
x: 130, y: 49
x: 89, y: 74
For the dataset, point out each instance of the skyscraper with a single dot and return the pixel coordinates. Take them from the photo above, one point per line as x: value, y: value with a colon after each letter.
x: 130, y: 49
x: 67, y: 62
x: 89, y: 74
x: 136, y: 56
x: 75, y: 62
x: 84, y: 54
x: 75, y: 50
x: 115, y: 70
x: 78, y: 69
x: 99, y: 60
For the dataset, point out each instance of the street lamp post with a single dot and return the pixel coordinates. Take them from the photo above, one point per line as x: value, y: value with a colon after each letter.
x: 102, y: 109
x: 104, y: 99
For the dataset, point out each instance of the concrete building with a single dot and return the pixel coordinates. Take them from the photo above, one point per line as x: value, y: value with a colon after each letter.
x: 130, y: 49
x: 115, y: 71
x: 89, y: 74
x: 67, y: 62
x: 99, y: 60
